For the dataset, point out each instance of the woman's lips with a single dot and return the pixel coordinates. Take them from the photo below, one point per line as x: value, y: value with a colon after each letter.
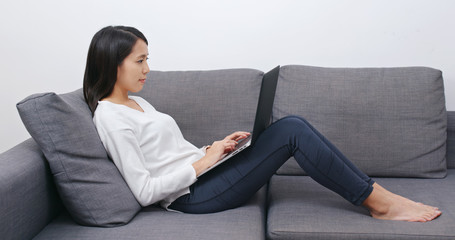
x: 142, y: 80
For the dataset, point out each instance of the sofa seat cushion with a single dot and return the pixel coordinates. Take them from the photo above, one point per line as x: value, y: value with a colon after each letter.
x: 300, y: 208
x: 245, y: 222
x: 391, y: 122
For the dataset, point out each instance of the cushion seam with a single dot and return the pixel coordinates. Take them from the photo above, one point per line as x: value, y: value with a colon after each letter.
x: 34, y: 98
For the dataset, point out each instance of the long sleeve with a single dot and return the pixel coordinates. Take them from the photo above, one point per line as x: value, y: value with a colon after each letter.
x: 149, y: 150
x: 125, y: 151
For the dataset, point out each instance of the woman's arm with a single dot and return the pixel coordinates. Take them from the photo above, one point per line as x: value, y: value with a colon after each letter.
x: 127, y: 155
x: 217, y: 150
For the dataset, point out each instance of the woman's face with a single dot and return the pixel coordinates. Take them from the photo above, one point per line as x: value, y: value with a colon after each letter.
x: 131, y: 73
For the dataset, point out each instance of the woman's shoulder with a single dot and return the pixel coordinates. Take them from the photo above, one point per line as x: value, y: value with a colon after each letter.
x: 111, y: 117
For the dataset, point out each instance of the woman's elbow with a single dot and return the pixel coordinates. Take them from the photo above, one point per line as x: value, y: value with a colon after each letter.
x: 143, y: 201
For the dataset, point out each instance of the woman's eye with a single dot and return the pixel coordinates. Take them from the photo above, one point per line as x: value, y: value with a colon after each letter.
x: 142, y: 60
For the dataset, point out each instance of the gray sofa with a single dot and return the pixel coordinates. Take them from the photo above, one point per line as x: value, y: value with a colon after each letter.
x: 391, y: 122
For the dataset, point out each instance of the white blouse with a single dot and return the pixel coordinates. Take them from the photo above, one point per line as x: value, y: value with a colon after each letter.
x: 149, y: 150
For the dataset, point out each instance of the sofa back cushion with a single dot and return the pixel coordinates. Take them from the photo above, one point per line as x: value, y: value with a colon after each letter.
x: 390, y: 122
x: 207, y: 105
x: 88, y: 182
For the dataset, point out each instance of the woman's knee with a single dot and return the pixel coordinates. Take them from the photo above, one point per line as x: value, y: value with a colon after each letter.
x: 294, y: 120
x: 291, y: 125
x: 297, y: 118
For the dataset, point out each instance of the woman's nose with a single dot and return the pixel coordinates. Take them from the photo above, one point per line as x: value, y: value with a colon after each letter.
x: 146, y: 69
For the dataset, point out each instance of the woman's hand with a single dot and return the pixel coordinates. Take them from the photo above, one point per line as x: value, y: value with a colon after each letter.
x: 237, y: 136
x: 219, y: 148
x: 216, y: 151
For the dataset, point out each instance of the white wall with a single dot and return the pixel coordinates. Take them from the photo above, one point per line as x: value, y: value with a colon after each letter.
x: 44, y: 43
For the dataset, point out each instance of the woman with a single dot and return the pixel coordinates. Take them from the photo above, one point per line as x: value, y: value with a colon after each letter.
x: 160, y: 166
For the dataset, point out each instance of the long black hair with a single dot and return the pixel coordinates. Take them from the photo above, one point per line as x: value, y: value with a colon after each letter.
x: 109, y: 47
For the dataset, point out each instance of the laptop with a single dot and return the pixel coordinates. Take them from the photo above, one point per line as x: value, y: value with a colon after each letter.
x: 263, y: 115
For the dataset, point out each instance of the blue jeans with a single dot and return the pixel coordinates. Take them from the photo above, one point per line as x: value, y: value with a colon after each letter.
x: 235, y: 181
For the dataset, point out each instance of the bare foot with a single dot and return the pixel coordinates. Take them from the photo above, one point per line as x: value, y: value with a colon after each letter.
x: 389, y: 206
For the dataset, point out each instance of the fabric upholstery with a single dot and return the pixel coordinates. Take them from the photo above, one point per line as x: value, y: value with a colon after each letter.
x: 451, y: 139
x: 29, y: 200
x: 245, y: 222
x: 300, y: 208
x: 388, y: 121
x: 207, y: 105
x: 202, y: 104
x: 87, y: 181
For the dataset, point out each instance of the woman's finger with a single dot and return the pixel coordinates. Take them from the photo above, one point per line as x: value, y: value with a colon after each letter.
x: 240, y: 137
x: 238, y: 134
x: 230, y: 144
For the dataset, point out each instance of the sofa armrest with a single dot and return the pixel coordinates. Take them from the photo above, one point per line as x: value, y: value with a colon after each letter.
x: 28, y: 198
x: 450, y: 139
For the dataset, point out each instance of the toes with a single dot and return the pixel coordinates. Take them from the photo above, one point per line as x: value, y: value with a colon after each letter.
x: 438, y: 213
x: 428, y: 217
x: 418, y: 219
x: 432, y: 215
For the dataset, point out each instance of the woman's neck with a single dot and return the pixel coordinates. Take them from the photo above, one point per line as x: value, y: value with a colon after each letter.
x: 118, y: 96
